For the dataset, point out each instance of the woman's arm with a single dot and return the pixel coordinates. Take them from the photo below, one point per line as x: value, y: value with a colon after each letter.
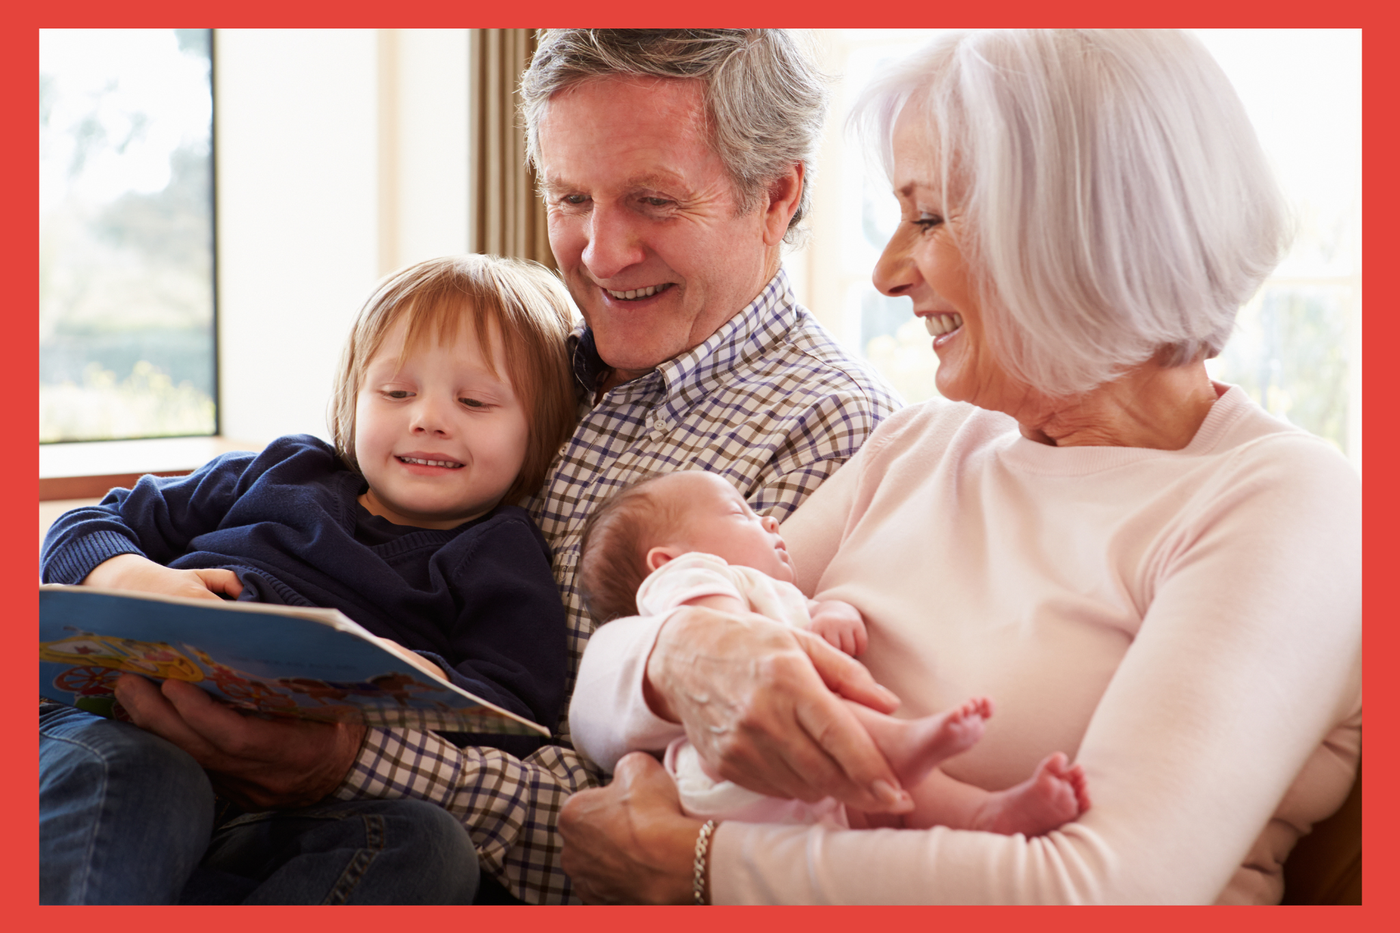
x: 1246, y: 658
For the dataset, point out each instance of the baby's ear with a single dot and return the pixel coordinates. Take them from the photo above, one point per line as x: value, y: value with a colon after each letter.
x: 662, y: 554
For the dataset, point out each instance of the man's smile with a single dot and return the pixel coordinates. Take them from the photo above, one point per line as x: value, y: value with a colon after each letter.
x: 633, y: 294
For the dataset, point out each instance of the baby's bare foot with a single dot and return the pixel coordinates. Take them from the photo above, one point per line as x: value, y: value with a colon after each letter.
x: 1055, y: 794
x: 914, y: 747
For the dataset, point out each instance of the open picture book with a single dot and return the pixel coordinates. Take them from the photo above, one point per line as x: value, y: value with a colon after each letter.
x: 268, y: 659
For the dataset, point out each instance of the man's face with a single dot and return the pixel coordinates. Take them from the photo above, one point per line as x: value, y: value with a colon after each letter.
x: 643, y: 219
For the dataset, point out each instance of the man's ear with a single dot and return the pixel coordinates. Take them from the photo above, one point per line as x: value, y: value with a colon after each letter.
x: 784, y: 193
x: 662, y: 554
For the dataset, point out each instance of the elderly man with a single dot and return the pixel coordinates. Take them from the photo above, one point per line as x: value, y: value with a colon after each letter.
x: 674, y: 164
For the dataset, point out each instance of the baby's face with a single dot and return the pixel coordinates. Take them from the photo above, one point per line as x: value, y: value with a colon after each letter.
x: 718, y: 521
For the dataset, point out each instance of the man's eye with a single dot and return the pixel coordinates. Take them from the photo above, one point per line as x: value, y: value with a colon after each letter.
x: 575, y: 199
x: 657, y: 202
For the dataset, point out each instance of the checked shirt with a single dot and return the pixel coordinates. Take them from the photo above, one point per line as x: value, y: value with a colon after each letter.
x: 771, y: 403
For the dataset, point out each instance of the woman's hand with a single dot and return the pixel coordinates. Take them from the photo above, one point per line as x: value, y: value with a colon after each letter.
x: 762, y: 704
x: 629, y: 842
x: 135, y: 572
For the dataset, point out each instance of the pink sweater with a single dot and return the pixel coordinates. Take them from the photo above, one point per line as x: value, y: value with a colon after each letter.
x: 1185, y: 624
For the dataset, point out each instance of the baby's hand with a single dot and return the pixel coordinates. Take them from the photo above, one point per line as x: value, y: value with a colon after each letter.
x: 840, y: 625
x: 135, y: 572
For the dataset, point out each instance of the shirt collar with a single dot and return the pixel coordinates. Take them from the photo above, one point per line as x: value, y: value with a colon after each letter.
x: 684, y: 380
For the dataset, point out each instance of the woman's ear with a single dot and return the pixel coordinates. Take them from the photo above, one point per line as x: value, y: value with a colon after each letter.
x: 662, y: 554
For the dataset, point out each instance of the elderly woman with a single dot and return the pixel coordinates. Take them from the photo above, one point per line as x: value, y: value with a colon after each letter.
x: 1139, y: 565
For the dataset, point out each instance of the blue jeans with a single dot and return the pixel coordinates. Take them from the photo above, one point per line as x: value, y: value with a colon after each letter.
x: 125, y: 817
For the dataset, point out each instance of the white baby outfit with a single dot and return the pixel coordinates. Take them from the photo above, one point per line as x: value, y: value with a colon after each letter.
x: 670, y: 587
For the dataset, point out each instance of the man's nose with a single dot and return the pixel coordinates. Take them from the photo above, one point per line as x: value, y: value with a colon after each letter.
x: 614, y: 243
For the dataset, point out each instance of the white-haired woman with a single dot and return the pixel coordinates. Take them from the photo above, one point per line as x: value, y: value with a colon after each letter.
x: 1139, y: 565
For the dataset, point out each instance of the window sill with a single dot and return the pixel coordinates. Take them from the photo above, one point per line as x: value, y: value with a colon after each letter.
x: 88, y: 470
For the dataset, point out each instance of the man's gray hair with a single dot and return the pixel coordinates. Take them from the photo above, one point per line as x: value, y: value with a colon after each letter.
x: 765, y: 99
x: 1116, y: 204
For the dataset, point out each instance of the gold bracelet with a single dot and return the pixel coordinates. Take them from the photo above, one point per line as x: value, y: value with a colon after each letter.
x: 702, y: 850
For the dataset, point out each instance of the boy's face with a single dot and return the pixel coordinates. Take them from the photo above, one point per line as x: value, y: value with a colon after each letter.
x: 718, y: 521
x: 440, y: 439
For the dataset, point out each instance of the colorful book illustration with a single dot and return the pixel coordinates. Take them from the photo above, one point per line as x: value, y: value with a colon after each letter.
x: 278, y: 660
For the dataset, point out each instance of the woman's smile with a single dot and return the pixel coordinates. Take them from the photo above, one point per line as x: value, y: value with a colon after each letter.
x: 940, y: 325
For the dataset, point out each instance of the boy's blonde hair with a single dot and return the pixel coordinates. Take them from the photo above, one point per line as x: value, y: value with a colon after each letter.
x: 522, y: 301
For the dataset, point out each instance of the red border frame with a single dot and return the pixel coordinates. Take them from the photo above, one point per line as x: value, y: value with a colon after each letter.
x: 18, y: 470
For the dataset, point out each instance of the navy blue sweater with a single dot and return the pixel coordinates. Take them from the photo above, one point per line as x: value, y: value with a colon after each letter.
x: 479, y: 599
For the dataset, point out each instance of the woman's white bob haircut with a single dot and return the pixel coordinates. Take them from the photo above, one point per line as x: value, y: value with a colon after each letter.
x: 1116, y: 204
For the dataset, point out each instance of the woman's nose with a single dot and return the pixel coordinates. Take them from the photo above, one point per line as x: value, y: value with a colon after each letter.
x: 894, y: 273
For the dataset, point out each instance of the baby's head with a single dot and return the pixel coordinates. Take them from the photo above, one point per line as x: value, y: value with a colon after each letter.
x: 661, y: 518
x: 496, y: 331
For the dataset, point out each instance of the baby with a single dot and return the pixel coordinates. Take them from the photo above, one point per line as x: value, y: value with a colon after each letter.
x: 690, y: 539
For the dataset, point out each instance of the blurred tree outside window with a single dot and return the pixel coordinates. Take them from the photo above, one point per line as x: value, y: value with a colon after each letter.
x: 126, y: 232
x: 1296, y: 346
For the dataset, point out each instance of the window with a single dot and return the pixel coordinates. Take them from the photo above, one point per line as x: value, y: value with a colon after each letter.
x: 1296, y: 349
x: 126, y: 287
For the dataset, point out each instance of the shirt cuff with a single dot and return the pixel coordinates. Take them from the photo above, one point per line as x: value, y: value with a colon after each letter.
x: 397, y: 763
x: 78, y: 558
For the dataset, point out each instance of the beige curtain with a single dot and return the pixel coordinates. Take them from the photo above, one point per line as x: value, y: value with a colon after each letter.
x: 510, y: 219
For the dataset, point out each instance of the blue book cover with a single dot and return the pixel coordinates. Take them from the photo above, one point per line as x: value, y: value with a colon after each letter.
x: 272, y: 660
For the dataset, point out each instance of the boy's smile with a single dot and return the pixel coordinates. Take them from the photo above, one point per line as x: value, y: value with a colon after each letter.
x: 441, y: 438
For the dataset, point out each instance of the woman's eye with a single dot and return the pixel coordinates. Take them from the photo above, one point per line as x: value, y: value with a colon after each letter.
x: 927, y: 221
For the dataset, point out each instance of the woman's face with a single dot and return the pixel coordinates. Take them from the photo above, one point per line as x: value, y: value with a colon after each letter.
x: 923, y: 261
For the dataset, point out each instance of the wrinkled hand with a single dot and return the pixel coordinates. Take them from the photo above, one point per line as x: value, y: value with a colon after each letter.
x: 629, y: 842
x: 134, y: 572
x: 260, y: 764
x: 840, y: 625
x: 760, y: 703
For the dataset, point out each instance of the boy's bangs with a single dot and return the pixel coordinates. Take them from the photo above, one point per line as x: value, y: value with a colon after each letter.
x: 437, y: 319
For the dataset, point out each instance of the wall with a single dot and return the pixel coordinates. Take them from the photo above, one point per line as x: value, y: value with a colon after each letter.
x: 341, y: 155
